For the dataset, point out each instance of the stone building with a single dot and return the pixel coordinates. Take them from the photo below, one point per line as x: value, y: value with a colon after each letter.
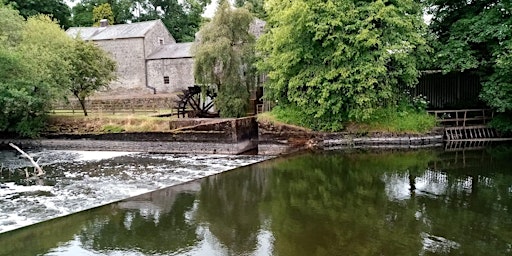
x: 148, y: 58
x: 171, y: 67
x: 131, y: 45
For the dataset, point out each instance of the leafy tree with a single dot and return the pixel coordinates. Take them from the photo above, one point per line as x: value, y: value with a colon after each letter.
x: 477, y: 36
x: 182, y: 18
x: 83, y: 11
x: 333, y: 61
x: 11, y: 24
x: 256, y: 7
x: 45, y: 48
x: 58, y: 9
x: 93, y: 69
x: 224, y: 58
x: 33, y: 69
x: 101, y: 12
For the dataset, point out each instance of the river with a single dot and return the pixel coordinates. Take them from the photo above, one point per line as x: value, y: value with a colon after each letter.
x: 355, y: 202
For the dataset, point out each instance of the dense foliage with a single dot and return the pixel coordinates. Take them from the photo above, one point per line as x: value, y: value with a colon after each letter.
x: 83, y: 11
x: 477, y: 36
x: 101, y: 12
x: 182, y: 18
x: 224, y: 58
x: 57, y: 9
x: 38, y: 62
x: 340, y: 60
x: 256, y: 7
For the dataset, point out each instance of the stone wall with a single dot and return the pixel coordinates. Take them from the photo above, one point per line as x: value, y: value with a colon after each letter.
x: 131, y: 66
x: 283, y: 139
x: 222, y: 136
x: 152, y: 40
x: 179, y: 71
x: 116, y: 105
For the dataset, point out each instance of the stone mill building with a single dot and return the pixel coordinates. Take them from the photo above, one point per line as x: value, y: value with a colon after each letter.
x: 149, y: 61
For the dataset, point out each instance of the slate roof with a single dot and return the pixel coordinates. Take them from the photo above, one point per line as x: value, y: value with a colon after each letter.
x: 133, y: 30
x: 172, y: 51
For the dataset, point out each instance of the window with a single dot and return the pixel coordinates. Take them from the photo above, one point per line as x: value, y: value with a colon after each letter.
x: 160, y: 40
x: 166, y: 80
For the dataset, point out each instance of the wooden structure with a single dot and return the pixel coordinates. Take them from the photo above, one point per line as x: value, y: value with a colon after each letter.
x: 449, y: 91
x: 475, y: 132
x: 194, y: 103
x: 467, y: 128
x: 463, y: 117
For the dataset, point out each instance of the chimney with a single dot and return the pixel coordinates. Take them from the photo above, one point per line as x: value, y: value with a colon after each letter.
x: 103, y: 23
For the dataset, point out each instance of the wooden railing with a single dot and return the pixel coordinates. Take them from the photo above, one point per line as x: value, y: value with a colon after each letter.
x: 463, y: 117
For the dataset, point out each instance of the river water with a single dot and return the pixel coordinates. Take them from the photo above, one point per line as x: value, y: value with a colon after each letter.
x: 422, y: 202
x: 79, y: 180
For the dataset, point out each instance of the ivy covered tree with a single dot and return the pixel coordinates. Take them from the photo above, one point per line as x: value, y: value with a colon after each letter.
x: 477, y: 36
x: 333, y: 61
x: 224, y: 58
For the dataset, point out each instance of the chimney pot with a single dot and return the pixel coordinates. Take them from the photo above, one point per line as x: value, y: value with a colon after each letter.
x: 103, y: 23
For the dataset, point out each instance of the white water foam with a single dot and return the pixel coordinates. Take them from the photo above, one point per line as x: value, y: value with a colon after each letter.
x: 87, y: 179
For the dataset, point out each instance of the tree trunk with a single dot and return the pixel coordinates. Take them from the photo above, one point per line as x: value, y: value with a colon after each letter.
x: 82, y: 104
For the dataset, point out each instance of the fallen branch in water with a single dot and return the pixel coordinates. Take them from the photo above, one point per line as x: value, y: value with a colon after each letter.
x: 40, y: 171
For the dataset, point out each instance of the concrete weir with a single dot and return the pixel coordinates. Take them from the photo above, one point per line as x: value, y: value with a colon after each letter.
x: 206, y: 136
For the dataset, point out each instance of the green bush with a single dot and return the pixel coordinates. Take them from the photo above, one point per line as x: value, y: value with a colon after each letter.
x: 502, y: 122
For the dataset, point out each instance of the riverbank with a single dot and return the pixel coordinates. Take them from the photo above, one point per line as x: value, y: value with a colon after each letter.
x: 208, y: 136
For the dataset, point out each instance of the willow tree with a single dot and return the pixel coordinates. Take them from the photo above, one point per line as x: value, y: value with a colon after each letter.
x: 224, y: 57
x: 333, y: 61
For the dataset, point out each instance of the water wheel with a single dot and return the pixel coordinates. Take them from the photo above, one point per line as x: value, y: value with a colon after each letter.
x: 194, y: 103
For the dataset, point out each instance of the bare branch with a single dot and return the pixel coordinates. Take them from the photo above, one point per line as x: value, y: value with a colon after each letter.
x: 40, y: 171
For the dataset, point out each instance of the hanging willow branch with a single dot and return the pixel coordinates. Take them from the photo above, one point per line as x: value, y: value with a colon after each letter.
x: 40, y: 171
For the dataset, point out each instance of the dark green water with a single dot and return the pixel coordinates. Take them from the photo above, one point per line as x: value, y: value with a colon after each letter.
x: 331, y: 203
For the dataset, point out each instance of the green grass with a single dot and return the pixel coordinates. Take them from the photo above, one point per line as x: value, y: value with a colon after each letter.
x: 385, y: 120
x: 400, y: 121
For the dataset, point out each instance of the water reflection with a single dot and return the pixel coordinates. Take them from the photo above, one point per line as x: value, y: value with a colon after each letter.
x: 333, y: 203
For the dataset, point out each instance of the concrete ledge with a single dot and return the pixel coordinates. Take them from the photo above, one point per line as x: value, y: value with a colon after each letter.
x: 137, y: 146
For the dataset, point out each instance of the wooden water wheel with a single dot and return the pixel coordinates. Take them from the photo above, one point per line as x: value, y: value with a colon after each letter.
x: 196, y: 104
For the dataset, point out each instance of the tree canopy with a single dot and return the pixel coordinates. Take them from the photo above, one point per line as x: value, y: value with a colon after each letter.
x: 83, y: 11
x: 182, y: 18
x: 224, y: 58
x: 256, y: 7
x: 334, y: 61
x: 93, y: 69
x: 101, y: 12
x: 39, y: 64
x: 476, y: 36
x: 54, y: 8
x: 33, y: 68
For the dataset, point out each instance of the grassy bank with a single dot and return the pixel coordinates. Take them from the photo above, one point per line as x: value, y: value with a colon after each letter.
x: 106, y: 123
x: 387, y: 120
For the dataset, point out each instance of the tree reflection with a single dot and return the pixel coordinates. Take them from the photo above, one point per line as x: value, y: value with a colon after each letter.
x: 229, y: 206
x: 149, y: 229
